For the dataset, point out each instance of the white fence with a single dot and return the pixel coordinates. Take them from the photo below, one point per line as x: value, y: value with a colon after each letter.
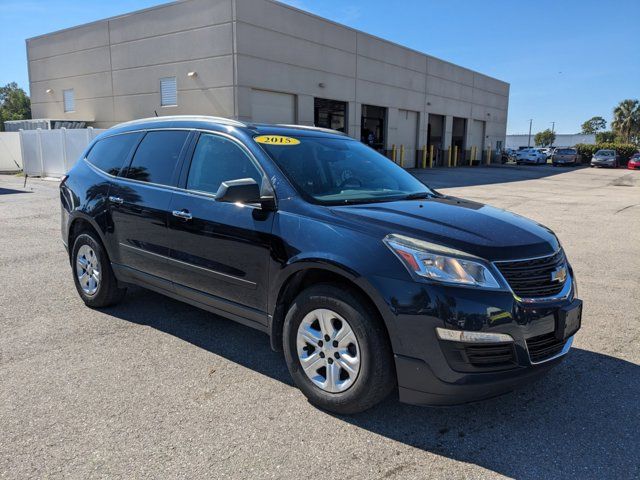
x: 10, y: 155
x: 51, y: 153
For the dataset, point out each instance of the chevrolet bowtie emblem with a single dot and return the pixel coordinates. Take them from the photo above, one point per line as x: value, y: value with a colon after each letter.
x: 559, y: 274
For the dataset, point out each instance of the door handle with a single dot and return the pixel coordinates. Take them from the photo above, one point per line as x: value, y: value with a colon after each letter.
x: 183, y: 214
x: 116, y: 200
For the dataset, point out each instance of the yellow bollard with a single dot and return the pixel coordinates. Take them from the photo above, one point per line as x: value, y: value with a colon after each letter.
x: 431, y: 156
x: 449, y: 159
x: 393, y: 153
x: 424, y: 156
x: 402, y: 156
x: 488, y: 155
x: 455, y: 156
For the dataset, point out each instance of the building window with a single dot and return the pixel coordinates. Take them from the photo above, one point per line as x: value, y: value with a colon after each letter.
x: 168, y: 92
x: 69, y: 100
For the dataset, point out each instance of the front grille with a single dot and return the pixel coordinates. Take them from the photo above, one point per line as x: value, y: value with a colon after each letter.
x: 544, y: 347
x: 533, y: 278
x: 490, y: 356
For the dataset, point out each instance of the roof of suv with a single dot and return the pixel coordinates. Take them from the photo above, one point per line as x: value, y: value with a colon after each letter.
x: 219, y: 123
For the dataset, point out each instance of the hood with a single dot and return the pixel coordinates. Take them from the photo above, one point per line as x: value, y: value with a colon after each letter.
x: 475, y: 228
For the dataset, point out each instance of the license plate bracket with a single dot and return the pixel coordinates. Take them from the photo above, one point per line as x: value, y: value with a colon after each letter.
x: 569, y: 320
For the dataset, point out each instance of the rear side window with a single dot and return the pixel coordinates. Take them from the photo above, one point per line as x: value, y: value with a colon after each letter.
x: 157, y: 156
x: 216, y: 160
x: 110, y: 154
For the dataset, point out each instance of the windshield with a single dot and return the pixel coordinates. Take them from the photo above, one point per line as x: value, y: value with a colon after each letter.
x: 605, y: 153
x: 337, y: 171
x: 565, y: 151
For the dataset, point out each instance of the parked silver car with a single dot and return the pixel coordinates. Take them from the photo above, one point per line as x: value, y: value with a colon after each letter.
x: 565, y: 156
x: 605, y: 158
x: 531, y: 155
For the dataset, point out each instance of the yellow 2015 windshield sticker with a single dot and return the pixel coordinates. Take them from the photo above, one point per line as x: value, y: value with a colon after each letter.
x: 277, y: 140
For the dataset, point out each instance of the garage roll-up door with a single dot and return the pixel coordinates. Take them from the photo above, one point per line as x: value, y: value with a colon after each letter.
x: 272, y: 107
x: 407, y: 135
x: 477, y: 135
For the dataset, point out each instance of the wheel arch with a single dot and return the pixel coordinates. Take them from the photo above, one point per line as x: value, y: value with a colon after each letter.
x: 83, y: 223
x: 305, y: 274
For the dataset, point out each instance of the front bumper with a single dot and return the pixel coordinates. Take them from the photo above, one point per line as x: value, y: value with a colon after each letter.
x: 431, y: 371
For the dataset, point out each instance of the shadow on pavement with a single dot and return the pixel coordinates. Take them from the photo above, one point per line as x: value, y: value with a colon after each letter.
x: 581, y: 421
x: 11, y: 191
x: 471, y: 176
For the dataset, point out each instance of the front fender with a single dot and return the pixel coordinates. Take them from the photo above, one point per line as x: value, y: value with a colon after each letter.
x: 335, y: 265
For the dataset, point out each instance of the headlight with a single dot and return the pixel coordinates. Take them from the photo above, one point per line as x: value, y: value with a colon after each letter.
x: 439, y: 263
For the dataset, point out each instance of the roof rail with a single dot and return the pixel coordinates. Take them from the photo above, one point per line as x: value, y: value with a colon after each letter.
x: 204, y: 118
x: 309, y: 127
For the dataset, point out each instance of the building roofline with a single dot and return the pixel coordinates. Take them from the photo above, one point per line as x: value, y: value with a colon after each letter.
x: 107, y: 19
x: 391, y: 42
x: 281, y: 4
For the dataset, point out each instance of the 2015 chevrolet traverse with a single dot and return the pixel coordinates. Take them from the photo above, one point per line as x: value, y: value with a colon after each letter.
x: 366, y: 278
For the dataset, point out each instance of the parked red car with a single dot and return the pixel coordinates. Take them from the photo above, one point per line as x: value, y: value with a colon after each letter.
x: 634, y: 162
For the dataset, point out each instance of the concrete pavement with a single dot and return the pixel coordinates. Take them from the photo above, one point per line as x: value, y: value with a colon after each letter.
x: 154, y: 388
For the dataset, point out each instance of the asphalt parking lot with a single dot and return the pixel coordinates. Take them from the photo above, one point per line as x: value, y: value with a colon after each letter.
x: 153, y: 388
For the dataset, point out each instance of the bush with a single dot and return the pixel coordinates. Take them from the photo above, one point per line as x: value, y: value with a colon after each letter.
x: 625, y: 150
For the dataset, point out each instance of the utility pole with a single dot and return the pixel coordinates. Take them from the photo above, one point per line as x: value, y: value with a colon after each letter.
x: 553, y: 126
x: 529, y: 141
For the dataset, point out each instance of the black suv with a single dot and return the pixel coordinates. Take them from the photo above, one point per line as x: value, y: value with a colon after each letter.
x: 365, y: 277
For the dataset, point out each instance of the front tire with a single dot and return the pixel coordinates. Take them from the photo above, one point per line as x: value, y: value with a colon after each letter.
x: 337, y: 350
x: 92, y: 273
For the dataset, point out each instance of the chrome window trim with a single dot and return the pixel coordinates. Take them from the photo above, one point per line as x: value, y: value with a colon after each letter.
x: 252, y: 157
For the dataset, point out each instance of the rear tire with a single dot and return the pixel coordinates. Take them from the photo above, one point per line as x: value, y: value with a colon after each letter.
x: 92, y: 273
x: 368, y: 355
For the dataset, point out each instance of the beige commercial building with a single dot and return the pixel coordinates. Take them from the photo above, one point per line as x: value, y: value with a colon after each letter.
x: 263, y: 61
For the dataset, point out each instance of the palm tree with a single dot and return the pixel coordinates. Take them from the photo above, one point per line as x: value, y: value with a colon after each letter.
x: 626, y: 119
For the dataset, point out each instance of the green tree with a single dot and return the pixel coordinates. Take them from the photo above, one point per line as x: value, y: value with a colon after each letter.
x: 545, y: 138
x: 605, y: 137
x: 594, y: 125
x: 14, y: 104
x: 626, y: 120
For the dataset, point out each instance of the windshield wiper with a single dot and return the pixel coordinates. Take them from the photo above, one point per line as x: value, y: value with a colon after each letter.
x: 416, y: 196
x: 360, y: 201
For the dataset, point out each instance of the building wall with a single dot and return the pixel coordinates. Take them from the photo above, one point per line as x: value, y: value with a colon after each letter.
x: 562, y: 140
x: 247, y: 54
x: 114, y: 65
x: 282, y: 49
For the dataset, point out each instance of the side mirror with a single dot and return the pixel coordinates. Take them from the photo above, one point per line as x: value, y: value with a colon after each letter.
x: 243, y: 190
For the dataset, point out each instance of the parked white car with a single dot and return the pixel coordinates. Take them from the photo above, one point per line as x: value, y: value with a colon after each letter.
x: 531, y: 155
x: 548, y: 151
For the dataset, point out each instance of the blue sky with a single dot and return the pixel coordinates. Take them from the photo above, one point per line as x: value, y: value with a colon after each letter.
x: 566, y: 60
